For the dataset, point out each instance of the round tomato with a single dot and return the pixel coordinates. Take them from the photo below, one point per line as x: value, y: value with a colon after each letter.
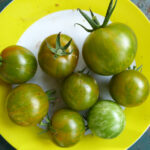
x: 109, y: 49
x: 129, y: 88
x: 17, y: 65
x: 67, y: 127
x: 106, y: 119
x: 27, y: 104
x: 56, y: 60
x: 80, y: 91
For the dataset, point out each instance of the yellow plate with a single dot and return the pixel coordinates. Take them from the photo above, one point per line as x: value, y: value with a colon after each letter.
x: 19, y: 15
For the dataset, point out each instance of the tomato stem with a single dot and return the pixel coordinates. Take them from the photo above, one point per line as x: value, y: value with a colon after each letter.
x: 93, y: 21
x: 140, y: 68
x: 83, y: 71
x: 94, y: 18
x: 109, y: 13
x: 136, y: 68
x: 51, y: 94
x: 51, y: 129
x: 59, y: 50
x: 47, y: 123
x: 1, y: 59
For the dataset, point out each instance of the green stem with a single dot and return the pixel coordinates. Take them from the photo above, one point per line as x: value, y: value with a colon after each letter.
x: 88, y: 19
x: 94, y: 18
x: 51, y: 129
x: 59, y: 50
x: 46, y: 121
x: 82, y: 71
x: 109, y: 13
x: 94, y: 23
x: 1, y: 60
x: 136, y: 68
x: 139, y: 68
x: 88, y: 30
x: 51, y: 94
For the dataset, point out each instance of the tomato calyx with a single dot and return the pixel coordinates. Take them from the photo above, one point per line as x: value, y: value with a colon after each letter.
x: 109, y: 13
x: 84, y: 71
x: 46, y: 123
x: 1, y: 60
x: 59, y: 50
x: 136, y: 68
x: 93, y: 21
x: 51, y: 95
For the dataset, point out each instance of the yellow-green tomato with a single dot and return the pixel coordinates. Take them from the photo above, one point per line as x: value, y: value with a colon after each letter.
x: 67, y: 127
x: 61, y: 66
x: 111, y: 49
x: 17, y: 64
x: 129, y: 88
x: 80, y: 91
x: 27, y: 104
x: 106, y: 119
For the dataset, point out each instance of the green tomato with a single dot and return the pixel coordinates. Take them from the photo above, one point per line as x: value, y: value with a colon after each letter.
x: 60, y: 66
x: 80, y: 91
x: 129, y: 88
x: 27, y: 104
x: 67, y: 127
x: 110, y: 50
x: 17, y: 65
x: 106, y: 119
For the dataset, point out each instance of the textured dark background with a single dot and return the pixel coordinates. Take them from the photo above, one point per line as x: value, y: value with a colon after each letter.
x: 144, y: 142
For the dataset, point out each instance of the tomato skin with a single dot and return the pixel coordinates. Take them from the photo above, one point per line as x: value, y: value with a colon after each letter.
x: 129, y: 88
x: 61, y: 66
x: 68, y: 127
x: 106, y: 119
x: 110, y: 50
x: 80, y: 91
x: 18, y: 65
x: 27, y: 104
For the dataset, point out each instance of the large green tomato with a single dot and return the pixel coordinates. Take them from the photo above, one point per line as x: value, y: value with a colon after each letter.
x: 109, y: 49
x: 106, y: 119
x: 59, y: 63
x: 17, y: 65
x: 27, y: 104
x: 67, y: 127
x: 80, y: 91
x: 129, y: 88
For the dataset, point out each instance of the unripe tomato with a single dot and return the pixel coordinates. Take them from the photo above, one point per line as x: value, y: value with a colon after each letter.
x: 17, y: 64
x: 67, y: 127
x: 129, y: 88
x: 58, y: 62
x: 80, y: 91
x: 106, y: 119
x: 27, y: 104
